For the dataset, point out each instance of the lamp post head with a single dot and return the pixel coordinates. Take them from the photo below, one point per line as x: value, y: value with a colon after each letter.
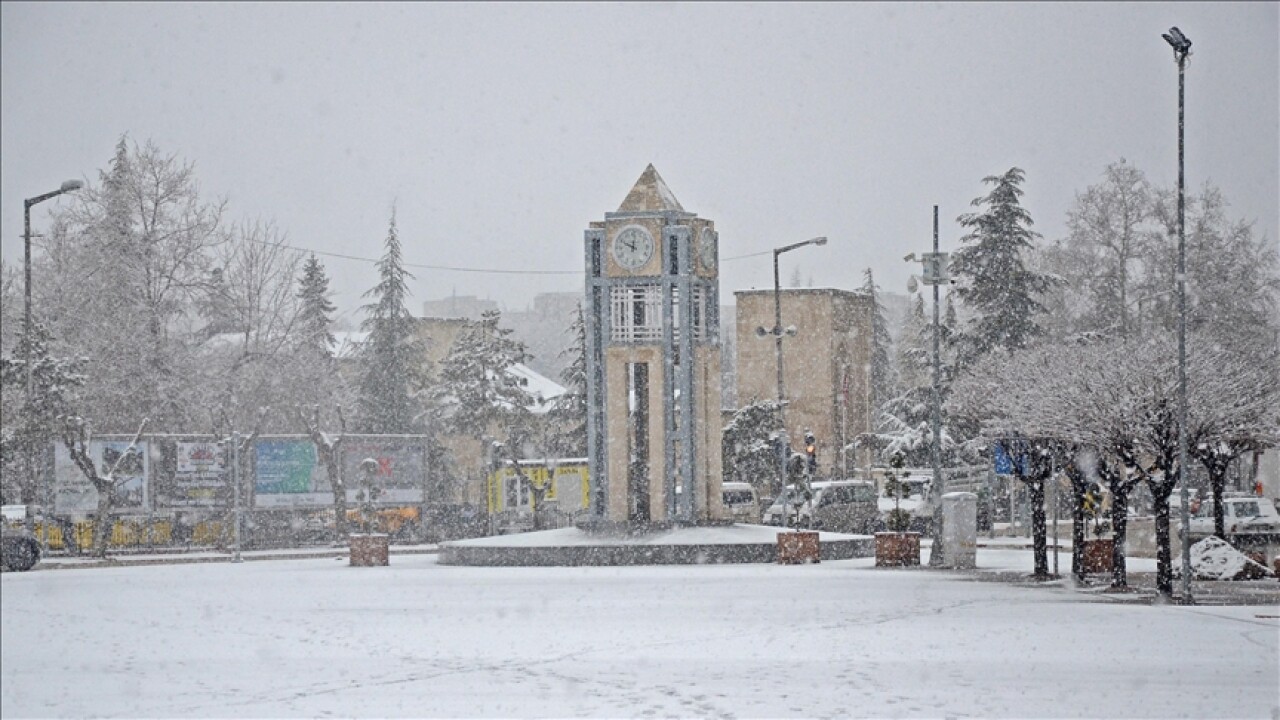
x: 820, y: 240
x: 909, y: 257
x: 1181, y: 43
x: 70, y: 185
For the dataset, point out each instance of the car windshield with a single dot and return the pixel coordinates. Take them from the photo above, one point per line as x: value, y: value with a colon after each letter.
x: 738, y: 497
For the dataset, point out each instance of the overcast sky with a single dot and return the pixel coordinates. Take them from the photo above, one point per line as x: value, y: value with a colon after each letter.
x: 500, y: 131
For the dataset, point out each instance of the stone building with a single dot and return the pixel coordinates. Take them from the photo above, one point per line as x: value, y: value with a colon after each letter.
x: 826, y: 366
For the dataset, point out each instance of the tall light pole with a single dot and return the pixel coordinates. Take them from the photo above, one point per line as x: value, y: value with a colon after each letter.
x: 777, y: 333
x: 934, y: 272
x: 66, y: 187
x: 1181, y: 49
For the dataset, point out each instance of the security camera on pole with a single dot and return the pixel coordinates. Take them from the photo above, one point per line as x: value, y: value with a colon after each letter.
x: 934, y: 271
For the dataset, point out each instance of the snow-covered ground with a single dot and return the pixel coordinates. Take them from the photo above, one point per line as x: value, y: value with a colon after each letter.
x: 314, y: 637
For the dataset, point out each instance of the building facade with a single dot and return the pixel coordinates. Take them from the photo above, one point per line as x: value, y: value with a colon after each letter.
x: 826, y: 367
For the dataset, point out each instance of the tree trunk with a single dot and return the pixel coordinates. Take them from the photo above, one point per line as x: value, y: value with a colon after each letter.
x: 1077, y: 530
x: 1217, y: 482
x: 337, y: 482
x: 1038, y: 542
x: 1119, y: 533
x: 102, y: 522
x: 1164, y: 559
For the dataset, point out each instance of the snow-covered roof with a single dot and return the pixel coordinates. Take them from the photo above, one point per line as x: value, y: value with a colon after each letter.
x: 543, y: 389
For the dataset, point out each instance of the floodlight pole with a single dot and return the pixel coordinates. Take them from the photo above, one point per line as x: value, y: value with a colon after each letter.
x: 1181, y: 48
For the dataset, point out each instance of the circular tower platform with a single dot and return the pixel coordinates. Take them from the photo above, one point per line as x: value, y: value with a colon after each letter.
x: 574, y: 546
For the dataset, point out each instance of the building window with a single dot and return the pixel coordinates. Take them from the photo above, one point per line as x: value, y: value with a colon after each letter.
x: 636, y: 311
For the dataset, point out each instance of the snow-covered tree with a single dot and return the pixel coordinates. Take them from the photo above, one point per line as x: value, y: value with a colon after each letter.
x: 1117, y: 399
x: 883, y: 380
x: 392, y: 357
x: 75, y: 435
x: 315, y: 312
x: 1233, y: 277
x: 749, y: 447
x: 331, y: 450
x: 475, y: 390
x: 250, y: 357
x: 1110, y: 233
x: 569, y: 413
x: 28, y: 426
x: 123, y: 267
x: 995, y: 286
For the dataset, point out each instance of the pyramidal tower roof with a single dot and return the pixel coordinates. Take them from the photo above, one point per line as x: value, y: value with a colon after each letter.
x: 650, y: 194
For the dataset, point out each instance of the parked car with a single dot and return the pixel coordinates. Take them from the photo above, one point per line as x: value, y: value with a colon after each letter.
x: 1246, y: 518
x: 741, y: 503
x: 838, y: 506
x: 19, y: 549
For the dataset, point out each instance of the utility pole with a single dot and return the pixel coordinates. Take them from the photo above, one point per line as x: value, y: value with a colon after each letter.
x: 935, y: 553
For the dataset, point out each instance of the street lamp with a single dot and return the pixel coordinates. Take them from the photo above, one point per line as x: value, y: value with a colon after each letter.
x: 66, y: 187
x: 1181, y: 49
x: 777, y: 332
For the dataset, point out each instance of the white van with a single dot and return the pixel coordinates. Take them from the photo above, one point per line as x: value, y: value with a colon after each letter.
x: 741, y: 504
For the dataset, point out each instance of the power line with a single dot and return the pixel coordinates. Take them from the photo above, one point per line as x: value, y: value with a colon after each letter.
x: 449, y: 268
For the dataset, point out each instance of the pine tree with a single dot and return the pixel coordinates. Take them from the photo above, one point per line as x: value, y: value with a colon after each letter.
x: 749, y: 453
x: 392, y: 356
x: 569, y: 413
x: 476, y: 391
x: 314, y: 316
x: 883, y: 382
x: 994, y: 283
x: 28, y: 426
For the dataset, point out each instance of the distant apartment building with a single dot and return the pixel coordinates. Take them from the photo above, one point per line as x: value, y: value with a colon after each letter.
x: 826, y: 366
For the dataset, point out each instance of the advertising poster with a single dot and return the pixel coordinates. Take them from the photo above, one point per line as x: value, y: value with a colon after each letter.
x: 74, y: 494
x: 401, y: 467
x: 289, y: 475
x: 200, y: 474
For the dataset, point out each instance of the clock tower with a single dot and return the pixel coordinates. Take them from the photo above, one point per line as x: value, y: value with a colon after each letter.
x: 653, y: 360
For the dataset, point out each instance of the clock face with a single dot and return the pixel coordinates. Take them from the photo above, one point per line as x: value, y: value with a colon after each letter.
x: 632, y: 247
x: 707, y: 249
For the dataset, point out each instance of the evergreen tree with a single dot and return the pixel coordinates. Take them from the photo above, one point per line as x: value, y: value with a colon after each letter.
x: 995, y: 285
x: 570, y: 411
x: 749, y: 453
x: 392, y: 356
x: 476, y: 393
x: 28, y: 426
x: 914, y: 347
x: 314, y: 315
x: 883, y: 382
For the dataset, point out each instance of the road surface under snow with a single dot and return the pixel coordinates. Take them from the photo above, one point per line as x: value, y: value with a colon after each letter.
x: 316, y: 638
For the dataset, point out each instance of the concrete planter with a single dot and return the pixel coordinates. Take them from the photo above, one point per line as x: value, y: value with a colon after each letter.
x: 897, y: 549
x: 369, y: 550
x: 1098, y: 555
x: 798, y: 547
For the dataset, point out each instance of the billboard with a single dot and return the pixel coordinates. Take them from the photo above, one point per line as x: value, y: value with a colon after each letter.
x: 74, y: 494
x: 200, y: 474
x: 288, y: 472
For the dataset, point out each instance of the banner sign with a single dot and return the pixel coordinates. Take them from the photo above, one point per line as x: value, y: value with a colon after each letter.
x: 288, y: 474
